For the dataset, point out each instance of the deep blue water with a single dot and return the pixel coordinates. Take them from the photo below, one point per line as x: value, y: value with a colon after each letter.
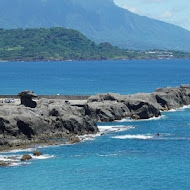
x: 92, y: 77
x: 134, y: 159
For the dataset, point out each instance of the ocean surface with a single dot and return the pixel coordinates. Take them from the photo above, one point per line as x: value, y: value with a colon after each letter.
x: 130, y: 156
x: 92, y: 77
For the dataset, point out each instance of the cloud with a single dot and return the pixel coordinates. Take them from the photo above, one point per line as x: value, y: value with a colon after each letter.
x: 153, y: 1
x: 166, y: 15
x: 172, y: 11
x: 132, y: 9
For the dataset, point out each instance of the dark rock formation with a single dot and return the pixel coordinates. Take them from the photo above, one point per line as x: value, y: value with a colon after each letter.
x: 26, y: 98
x: 26, y: 157
x: 37, y: 153
x: 57, y: 119
x: 106, y: 111
x: 4, y: 164
x: 110, y: 107
x: 51, y: 119
x: 73, y: 139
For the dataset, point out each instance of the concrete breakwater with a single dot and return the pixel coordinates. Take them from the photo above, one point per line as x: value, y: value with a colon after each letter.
x: 62, y: 97
x: 53, y: 120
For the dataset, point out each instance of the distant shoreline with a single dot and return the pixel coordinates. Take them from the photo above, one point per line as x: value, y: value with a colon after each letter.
x: 86, y: 60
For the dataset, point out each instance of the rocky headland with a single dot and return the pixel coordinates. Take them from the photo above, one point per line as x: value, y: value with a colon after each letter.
x: 54, y: 121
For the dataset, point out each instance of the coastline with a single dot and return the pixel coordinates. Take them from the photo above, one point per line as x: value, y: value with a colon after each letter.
x: 66, y: 122
x: 67, y: 119
x: 117, y: 59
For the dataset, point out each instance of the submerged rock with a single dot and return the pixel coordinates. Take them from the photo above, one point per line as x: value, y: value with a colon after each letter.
x: 26, y: 157
x: 37, y: 153
x: 4, y: 164
x: 73, y: 139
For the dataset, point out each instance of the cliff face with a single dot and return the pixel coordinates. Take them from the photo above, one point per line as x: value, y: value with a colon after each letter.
x: 21, y: 125
x: 53, y: 119
x: 110, y: 107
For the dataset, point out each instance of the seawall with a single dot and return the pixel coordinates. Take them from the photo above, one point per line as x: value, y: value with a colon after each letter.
x: 61, y: 97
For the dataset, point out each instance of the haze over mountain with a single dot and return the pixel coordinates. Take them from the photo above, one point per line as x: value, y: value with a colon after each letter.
x: 99, y: 20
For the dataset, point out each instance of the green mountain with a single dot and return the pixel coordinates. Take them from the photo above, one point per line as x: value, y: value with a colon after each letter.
x: 53, y: 44
x: 99, y: 20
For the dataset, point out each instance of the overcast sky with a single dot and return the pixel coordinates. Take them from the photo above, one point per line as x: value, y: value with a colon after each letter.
x: 172, y: 11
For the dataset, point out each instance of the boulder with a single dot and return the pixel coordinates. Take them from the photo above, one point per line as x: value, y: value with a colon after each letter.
x: 4, y: 164
x: 37, y: 153
x: 26, y: 157
x: 73, y: 139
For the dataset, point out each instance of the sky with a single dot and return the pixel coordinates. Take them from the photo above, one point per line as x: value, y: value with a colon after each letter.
x: 172, y: 11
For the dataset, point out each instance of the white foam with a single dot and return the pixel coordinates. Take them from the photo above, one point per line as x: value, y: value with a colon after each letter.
x: 42, y: 157
x: 5, y: 159
x: 16, y: 159
x: 106, y: 155
x: 142, y: 137
x: 122, y: 120
x: 178, y: 109
x: 154, y: 118
x: 133, y: 120
x: 105, y: 130
x: 172, y: 110
x: 22, y: 150
x: 9, y: 158
x: 89, y: 137
x: 114, y: 128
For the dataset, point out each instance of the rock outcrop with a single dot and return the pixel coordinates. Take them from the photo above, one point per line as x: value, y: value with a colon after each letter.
x: 26, y: 157
x: 26, y: 98
x: 110, y: 107
x: 50, y: 120
x: 37, y: 153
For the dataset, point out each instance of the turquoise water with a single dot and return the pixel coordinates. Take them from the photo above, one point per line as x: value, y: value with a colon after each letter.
x: 130, y: 155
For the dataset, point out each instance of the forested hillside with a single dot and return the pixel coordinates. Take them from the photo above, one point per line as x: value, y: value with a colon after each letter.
x: 53, y: 44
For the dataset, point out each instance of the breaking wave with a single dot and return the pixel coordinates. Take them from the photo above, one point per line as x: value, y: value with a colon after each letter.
x: 142, y: 137
x: 132, y: 120
x: 15, y: 160
x: 105, y: 130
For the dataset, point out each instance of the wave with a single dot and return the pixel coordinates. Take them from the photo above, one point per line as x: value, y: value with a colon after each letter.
x: 15, y: 160
x: 89, y: 137
x: 42, y: 157
x: 142, y: 137
x: 107, y: 155
x: 114, y: 128
x: 19, y: 150
x: 105, y: 130
x: 19, y: 164
x: 178, y: 109
x: 22, y: 150
x: 140, y: 120
x: 122, y: 120
x: 164, y: 137
x: 5, y: 159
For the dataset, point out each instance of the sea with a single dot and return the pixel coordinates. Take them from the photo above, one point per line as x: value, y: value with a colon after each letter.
x: 130, y: 155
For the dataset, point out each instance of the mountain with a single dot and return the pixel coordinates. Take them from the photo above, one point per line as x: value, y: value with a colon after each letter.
x: 53, y: 44
x: 99, y: 20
